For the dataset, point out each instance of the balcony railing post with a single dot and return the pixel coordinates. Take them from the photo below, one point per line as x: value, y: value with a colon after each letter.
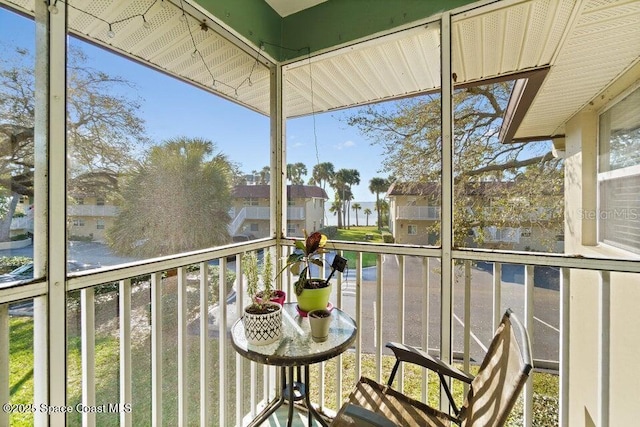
x: 125, y: 351
x: 378, y: 317
x: 565, y: 296
x: 205, y: 394
x: 528, y: 318
x: 88, y: 331
x: 425, y: 325
x: 4, y: 362
x: 497, y: 294
x: 467, y: 320
x: 604, y: 330
x: 358, y: 318
x: 401, y: 311
x: 183, y: 356
x: 156, y: 349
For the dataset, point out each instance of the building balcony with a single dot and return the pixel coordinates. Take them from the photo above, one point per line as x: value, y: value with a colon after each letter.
x: 92, y: 210
x: 422, y: 213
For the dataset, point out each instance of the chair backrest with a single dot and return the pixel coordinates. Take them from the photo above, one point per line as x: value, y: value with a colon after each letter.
x: 503, y: 373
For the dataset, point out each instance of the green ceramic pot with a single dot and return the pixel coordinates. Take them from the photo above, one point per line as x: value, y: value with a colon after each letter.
x: 314, y: 299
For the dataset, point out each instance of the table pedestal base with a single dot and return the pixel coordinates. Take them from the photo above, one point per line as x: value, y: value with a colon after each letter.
x: 293, y: 390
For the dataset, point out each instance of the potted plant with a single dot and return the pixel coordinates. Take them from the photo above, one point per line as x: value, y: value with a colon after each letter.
x: 262, y: 318
x: 267, y: 270
x: 313, y: 293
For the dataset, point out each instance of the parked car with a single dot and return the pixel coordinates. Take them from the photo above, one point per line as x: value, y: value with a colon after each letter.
x: 25, y: 272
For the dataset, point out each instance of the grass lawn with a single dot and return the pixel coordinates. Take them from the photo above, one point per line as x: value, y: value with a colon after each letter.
x: 359, y: 234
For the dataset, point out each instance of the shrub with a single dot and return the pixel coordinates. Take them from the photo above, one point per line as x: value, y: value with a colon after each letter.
x: 387, y: 237
x: 330, y: 231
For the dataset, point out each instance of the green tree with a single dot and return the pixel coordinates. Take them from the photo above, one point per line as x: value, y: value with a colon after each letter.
x: 485, y: 170
x: 177, y: 200
x: 103, y: 129
x: 367, y: 212
x: 356, y: 207
x: 378, y: 185
x: 322, y: 174
x: 295, y: 172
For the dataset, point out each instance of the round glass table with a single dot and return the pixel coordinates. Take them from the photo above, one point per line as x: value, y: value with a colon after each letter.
x: 296, y: 349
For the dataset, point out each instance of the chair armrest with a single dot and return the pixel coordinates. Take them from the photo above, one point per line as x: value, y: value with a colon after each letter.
x: 366, y: 418
x: 405, y: 353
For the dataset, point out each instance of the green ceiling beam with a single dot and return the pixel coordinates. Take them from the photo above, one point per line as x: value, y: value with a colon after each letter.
x: 340, y: 21
x: 323, y: 26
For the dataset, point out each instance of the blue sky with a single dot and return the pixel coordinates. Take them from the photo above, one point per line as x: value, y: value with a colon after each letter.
x: 171, y: 108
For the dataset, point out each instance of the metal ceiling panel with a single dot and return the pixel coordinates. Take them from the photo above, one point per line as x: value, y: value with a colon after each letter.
x: 382, y: 69
x: 602, y: 44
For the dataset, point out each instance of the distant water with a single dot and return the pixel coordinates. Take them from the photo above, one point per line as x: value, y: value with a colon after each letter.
x: 332, y: 219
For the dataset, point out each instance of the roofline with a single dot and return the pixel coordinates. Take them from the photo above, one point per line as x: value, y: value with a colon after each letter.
x: 524, y: 92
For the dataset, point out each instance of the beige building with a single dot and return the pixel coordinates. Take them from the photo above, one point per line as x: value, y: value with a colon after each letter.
x: 89, y: 216
x: 415, y: 215
x: 250, y: 212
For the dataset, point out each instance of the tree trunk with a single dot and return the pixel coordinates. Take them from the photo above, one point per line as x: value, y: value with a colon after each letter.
x: 5, y: 222
x: 379, y: 219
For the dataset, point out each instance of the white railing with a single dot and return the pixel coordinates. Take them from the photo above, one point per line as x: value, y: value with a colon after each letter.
x: 418, y: 212
x: 22, y: 223
x: 295, y: 213
x: 174, y: 314
x: 92, y: 210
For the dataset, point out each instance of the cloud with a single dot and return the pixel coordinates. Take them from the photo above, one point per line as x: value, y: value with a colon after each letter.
x: 346, y: 144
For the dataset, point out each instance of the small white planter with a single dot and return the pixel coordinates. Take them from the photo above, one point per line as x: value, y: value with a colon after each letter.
x: 263, y: 329
x: 320, y: 320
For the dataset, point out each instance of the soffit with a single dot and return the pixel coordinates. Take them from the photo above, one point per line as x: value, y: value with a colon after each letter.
x: 603, y: 42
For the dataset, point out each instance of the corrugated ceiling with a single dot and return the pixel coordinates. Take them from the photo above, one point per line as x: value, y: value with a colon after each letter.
x: 587, y: 44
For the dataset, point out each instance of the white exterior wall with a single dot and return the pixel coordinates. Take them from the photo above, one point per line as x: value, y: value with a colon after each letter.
x: 581, y: 238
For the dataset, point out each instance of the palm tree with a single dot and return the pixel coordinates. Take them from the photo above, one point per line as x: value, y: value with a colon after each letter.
x: 336, y: 208
x: 321, y: 174
x: 295, y: 172
x: 356, y: 207
x: 383, y: 209
x: 367, y: 212
x: 378, y: 185
x: 344, y: 179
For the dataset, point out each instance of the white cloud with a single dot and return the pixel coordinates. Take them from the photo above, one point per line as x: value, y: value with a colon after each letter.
x: 346, y: 144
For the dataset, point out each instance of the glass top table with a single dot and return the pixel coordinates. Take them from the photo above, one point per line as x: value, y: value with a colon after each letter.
x: 296, y: 348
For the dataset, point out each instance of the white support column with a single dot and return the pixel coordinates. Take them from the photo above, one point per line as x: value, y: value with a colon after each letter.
x: 425, y: 325
x: 57, y: 216
x: 183, y: 350
x: 156, y: 350
x: 88, y: 331
x: 528, y: 320
x: 240, y: 383
x: 604, y: 330
x: 205, y: 394
x: 446, y: 230
x: 126, y: 395
x: 565, y: 295
x: 222, y: 342
x: 278, y: 156
x: 41, y: 211
x: 4, y: 362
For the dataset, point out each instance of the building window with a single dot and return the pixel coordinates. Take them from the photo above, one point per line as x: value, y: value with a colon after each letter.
x: 251, y: 201
x: 254, y: 226
x: 412, y: 230
x: 619, y: 174
x: 100, y: 201
x: 78, y: 222
x: 100, y: 224
x: 80, y: 200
